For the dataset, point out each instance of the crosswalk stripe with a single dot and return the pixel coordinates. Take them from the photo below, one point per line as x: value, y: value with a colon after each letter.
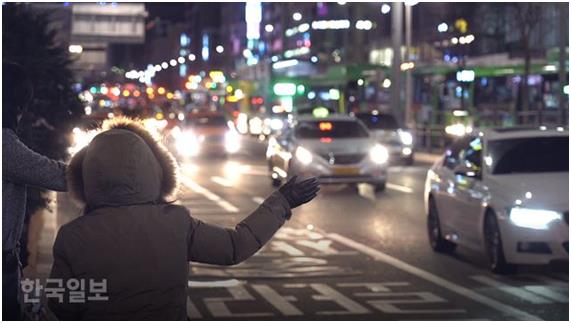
x: 549, y: 293
x: 399, y: 188
x: 258, y: 200
x: 221, y: 181
x: 209, y: 195
x: 514, y: 291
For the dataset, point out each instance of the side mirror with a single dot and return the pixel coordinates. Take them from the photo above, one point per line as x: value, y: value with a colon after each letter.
x: 466, y: 171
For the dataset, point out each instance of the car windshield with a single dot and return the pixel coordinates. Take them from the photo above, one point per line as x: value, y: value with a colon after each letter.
x: 217, y: 121
x: 379, y: 122
x: 530, y: 155
x: 330, y: 129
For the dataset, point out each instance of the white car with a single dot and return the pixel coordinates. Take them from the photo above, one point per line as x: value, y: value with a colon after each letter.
x: 504, y: 191
x: 336, y: 149
x: 385, y: 127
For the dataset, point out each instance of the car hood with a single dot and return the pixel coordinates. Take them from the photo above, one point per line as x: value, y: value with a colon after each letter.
x: 338, y: 146
x: 386, y: 135
x: 548, y: 190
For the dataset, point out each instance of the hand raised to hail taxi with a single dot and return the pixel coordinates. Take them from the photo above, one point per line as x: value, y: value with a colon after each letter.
x: 298, y: 193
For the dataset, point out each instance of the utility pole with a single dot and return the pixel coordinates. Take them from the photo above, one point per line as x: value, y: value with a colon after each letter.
x: 396, y: 33
x: 409, y: 120
x: 563, y: 25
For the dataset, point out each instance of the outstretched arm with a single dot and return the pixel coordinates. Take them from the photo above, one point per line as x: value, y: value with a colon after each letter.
x: 219, y: 246
x: 215, y: 245
x: 22, y: 165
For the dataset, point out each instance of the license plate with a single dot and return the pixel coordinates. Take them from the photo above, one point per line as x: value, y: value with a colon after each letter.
x: 346, y: 171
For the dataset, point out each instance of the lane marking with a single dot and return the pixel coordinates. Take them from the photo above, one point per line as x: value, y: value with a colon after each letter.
x: 518, y: 292
x: 191, y: 309
x: 400, y: 188
x: 549, y: 293
x: 329, y: 294
x: 468, y: 293
x: 258, y: 200
x: 214, y: 283
x: 281, y: 303
x: 209, y: 195
x: 221, y: 181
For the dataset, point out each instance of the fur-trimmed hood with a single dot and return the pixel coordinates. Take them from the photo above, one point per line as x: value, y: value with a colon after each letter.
x: 123, y: 165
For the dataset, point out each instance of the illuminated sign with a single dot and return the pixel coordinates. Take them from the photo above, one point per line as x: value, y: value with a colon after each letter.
x: 331, y: 24
x: 253, y: 19
x: 465, y: 76
x: 286, y: 89
x: 205, y: 47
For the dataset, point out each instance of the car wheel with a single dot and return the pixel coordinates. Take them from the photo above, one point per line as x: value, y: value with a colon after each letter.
x: 437, y: 242
x: 494, y: 247
x: 380, y: 187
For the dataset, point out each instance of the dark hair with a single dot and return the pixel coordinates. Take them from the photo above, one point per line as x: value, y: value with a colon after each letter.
x: 17, y: 93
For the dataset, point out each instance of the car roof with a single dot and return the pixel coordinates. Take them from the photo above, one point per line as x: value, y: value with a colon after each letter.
x: 525, y: 132
x: 333, y: 117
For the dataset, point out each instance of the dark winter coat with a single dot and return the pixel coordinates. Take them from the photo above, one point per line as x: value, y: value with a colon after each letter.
x: 22, y: 167
x: 135, y: 240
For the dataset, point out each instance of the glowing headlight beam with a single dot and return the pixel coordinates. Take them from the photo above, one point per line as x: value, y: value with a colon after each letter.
x: 379, y: 154
x: 232, y: 142
x: 533, y: 218
x: 303, y: 155
x: 405, y: 137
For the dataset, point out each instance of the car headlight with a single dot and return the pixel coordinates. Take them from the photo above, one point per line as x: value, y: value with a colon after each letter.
x: 276, y: 124
x: 303, y: 155
x: 379, y: 154
x: 533, y: 218
x: 187, y: 144
x: 232, y: 142
x: 405, y: 137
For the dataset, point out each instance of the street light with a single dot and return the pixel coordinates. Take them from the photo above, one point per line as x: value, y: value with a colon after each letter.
x: 269, y: 28
x: 442, y: 27
x: 385, y: 8
x: 297, y: 16
x: 408, y: 81
x: 219, y: 49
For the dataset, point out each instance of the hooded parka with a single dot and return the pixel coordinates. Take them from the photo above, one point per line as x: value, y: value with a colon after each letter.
x: 134, y: 239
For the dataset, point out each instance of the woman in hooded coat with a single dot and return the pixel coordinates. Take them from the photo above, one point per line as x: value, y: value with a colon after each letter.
x: 132, y: 237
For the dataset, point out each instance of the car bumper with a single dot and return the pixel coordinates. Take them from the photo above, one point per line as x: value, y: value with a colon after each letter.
x: 535, y: 247
x: 399, y: 153
x: 342, y: 174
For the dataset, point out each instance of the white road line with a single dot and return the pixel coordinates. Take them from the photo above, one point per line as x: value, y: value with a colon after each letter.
x: 228, y: 206
x: 258, y: 200
x: 209, y: 195
x: 549, y: 293
x: 281, y: 303
x: 400, y: 188
x: 214, y: 283
x: 221, y: 181
x: 518, y: 292
x: 191, y: 310
x: 466, y: 292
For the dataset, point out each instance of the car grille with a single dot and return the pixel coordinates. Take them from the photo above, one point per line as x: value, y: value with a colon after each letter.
x: 393, y: 143
x: 343, y: 159
x: 214, y: 138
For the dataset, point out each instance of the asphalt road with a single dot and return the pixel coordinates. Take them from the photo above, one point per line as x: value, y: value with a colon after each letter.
x: 350, y: 255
